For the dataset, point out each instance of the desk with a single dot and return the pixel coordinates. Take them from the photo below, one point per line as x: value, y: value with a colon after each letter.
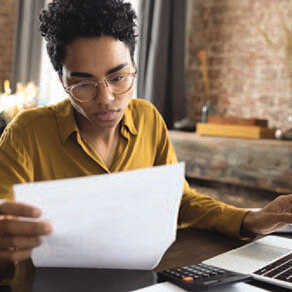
x: 191, y: 247
x: 194, y: 246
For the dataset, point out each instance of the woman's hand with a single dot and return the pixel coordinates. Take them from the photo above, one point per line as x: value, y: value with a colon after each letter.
x: 19, y: 234
x: 272, y: 217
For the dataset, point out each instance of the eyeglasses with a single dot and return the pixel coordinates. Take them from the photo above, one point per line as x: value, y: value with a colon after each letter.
x: 117, y: 83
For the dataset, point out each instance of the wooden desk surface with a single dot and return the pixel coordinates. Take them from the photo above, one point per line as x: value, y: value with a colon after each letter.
x: 191, y: 247
x: 194, y: 246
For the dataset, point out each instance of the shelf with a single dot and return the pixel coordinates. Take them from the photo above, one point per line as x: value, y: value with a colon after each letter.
x: 258, y: 163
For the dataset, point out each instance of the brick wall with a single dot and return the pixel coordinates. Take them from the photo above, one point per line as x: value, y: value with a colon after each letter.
x: 248, y: 78
x: 8, y: 10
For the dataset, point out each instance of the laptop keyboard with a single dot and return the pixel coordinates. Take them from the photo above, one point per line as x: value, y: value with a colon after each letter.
x: 280, y: 269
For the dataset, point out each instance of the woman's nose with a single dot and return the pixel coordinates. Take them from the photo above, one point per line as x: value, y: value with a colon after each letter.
x: 103, y: 94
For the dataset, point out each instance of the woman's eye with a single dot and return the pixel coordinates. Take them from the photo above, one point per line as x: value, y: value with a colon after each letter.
x: 117, y: 78
x: 84, y: 85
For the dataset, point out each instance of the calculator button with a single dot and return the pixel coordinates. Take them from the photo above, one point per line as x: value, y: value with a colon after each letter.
x: 187, y: 279
x: 200, y: 275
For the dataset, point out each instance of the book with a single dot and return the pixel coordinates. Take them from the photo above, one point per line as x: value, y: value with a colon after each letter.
x: 237, y: 121
x: 239, y: 131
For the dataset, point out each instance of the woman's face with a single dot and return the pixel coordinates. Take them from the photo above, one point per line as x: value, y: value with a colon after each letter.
x: 96, y: 59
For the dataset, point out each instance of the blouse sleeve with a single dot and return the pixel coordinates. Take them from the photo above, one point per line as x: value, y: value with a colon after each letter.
x: 197, y: 210
x: 15, y: 162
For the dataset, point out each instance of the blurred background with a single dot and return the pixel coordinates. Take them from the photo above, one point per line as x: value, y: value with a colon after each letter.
x: 248, y: 47
x: 236, y: 55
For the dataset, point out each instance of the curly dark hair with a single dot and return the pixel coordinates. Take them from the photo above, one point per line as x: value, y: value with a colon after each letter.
x: 66, y: 20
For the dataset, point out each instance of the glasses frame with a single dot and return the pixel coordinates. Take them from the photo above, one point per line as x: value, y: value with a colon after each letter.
x: 70, y: 88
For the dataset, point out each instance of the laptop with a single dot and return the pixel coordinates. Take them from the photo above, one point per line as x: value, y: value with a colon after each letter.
x: 267, y: 259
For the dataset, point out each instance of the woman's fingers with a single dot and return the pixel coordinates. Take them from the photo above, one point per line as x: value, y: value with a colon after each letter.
x: 19, y: 230
x: 18, y: 209
x: 280, y: 218
x: 15, y: 227
x: 19, y: 242
x: 18, y: 255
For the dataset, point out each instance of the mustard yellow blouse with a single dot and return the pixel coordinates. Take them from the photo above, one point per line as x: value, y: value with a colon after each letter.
x: 45, y: 144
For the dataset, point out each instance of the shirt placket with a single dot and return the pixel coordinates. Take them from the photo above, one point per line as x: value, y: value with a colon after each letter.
x: 91, y: 153
x: 119, y: 159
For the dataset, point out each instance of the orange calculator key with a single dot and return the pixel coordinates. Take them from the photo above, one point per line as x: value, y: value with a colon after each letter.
x: 188, y: 279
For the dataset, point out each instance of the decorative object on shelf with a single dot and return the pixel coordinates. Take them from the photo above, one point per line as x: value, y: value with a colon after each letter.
x: 237, y: 121
x: 236, y: 127
x: 207, y: 108
x: 284, y: 134
x: 26, y: 96
x: 252, y: 132
x: 186, y: 124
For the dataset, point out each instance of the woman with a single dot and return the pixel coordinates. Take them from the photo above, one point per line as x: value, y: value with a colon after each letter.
x: 99, y: 129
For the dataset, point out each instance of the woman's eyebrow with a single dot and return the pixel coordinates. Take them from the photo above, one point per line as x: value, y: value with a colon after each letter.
x: 81, y: 74
x: 88, y: 75
x: 117, y: 68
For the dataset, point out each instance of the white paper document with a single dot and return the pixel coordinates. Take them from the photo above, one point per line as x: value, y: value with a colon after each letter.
x: 169, y: 287
x: 123, y: 220
x: 161, y: 287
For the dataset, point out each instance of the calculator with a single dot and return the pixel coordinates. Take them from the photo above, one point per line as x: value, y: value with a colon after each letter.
x: 200, y: 277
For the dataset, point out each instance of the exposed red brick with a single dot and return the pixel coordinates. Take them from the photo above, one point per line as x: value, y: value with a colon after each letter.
x: 218, y: 9
x: 218, y: 37
x: 216, y: 61
x: 214, y: 74
x: 247, y: 76
x: 217, y: 49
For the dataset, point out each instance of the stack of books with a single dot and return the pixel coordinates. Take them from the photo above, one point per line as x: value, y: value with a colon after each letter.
x: 236, y: 127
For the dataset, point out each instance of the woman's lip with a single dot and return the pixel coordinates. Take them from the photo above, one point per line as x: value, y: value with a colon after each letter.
x: 106, y: 115
x: 107, y: 111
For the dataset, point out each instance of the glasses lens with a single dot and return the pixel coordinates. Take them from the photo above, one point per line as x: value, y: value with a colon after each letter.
x: 84, y: 91
x: 117, y: 84
x: 120, y: 83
